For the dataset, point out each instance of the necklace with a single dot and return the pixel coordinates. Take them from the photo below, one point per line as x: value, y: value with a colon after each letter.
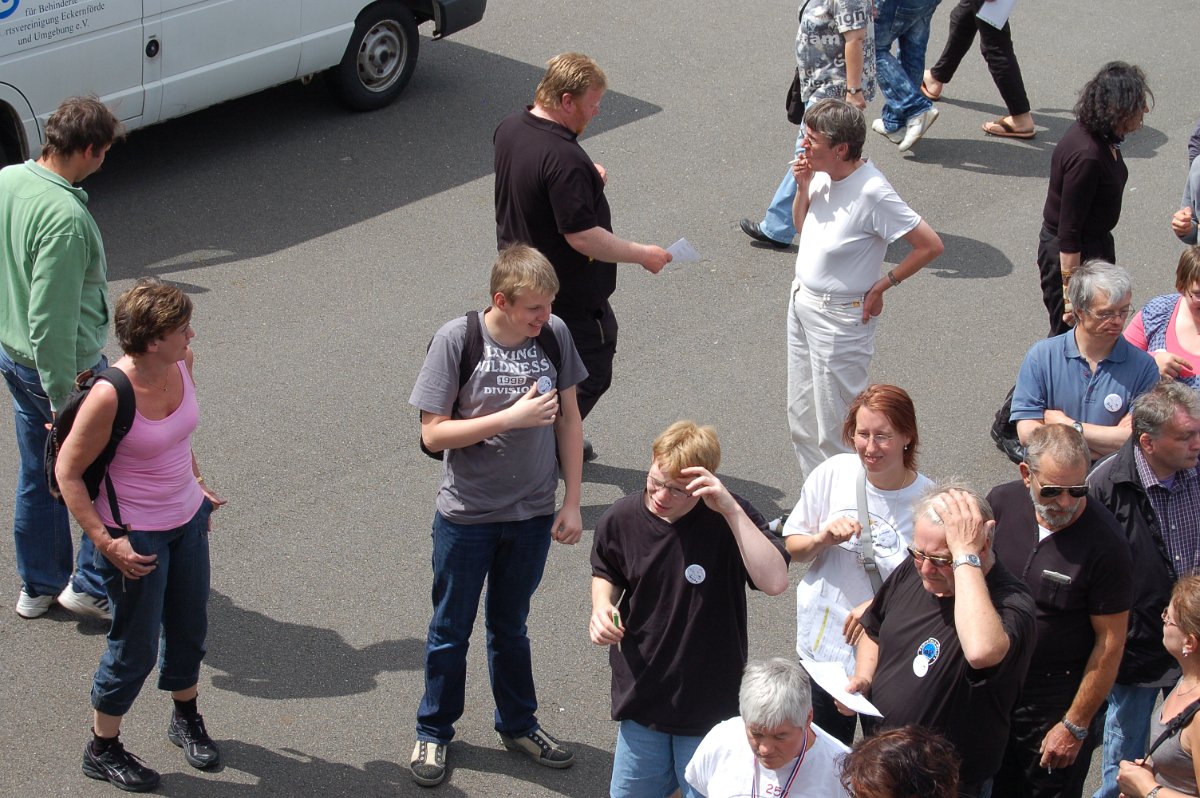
x: 795, y: 769
x: 1189, y: 690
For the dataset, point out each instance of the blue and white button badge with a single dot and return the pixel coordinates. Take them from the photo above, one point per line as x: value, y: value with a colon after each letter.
x: 545, y: 384
x: 8, y: 8
x: 927, y: 654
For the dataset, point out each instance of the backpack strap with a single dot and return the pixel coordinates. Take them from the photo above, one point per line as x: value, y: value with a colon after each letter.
x: 126, y: 408
x: 548, y: 341
x: 472, y: 350
x: 1175, y: 725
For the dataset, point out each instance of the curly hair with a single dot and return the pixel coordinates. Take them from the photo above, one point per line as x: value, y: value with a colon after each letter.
x: 1118, y: 93
x: 909, y: 762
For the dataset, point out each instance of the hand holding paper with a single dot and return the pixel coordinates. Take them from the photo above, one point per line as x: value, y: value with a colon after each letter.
x: 832, y: 679
x: 683, y: 252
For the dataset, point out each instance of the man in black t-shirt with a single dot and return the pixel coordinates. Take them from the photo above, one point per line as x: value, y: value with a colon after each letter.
x: 670, y: 566
x: 550, y: 195
x: 1072, y: 556
x: 949, y: 635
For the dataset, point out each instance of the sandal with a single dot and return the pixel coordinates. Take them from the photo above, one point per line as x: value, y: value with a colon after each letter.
x: 930, y: 95
x: 1001, y: 129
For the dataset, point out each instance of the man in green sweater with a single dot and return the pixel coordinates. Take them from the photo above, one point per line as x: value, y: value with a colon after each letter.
x: 53, y: 324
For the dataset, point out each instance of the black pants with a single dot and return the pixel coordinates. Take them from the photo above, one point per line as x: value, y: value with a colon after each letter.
x: 997, y: 48
x: 595, y: 336
x: 1051, y: 272
x: 1020, y: 774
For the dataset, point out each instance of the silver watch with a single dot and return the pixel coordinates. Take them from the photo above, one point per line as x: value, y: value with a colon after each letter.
x: 1078, y: 732
x: 967, y: 559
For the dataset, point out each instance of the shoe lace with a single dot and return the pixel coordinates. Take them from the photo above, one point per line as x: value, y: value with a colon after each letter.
x: 117, y: 755
x: 193, y: 727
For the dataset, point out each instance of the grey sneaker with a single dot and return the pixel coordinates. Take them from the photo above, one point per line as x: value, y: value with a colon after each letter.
x: 84, y: 604
x: 33, y: 606
x: 916, y: 127
x: 428, y: 763
x: 894, y: 136
x: 541, y: 748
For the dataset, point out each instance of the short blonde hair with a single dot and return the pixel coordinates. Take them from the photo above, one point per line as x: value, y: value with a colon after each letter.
x: 520, y: 269
x: 685, y: 444
x: 568, y: 73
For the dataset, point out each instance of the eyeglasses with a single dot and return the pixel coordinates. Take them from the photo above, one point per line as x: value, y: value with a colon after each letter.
x: 654, y: 485
x: 1167, y: 621
x: 880, y: 440
x: 1109, y: 315
x: 1192, y: 295
x: 920, y: 556
x: 1053, y: 491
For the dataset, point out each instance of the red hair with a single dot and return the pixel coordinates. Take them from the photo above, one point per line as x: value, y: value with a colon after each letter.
x: 897, y: 406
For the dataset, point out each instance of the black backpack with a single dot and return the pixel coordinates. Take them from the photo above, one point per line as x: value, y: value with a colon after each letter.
x: 473, y: 353
x: 98, y: 470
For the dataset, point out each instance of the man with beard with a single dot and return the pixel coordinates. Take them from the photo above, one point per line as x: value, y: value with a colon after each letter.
x: 1073, y: 558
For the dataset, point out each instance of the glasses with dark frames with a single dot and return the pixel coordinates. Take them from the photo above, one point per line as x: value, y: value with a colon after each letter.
x: 1054, y: 491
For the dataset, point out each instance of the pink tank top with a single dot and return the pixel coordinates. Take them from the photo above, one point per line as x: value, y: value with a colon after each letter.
x: 152, y: 469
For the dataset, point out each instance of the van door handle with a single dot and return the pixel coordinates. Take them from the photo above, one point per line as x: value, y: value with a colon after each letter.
x: 152, y: 48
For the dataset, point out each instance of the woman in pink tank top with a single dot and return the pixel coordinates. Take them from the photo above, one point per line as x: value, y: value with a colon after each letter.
x: 156, y: 564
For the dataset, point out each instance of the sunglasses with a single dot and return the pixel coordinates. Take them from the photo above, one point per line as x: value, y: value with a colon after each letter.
x: 1053, y: 491
x: 920, y: 556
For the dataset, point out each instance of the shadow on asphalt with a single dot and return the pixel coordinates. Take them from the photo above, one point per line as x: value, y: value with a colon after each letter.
x: 632, y: 480
x: 263, y: 173
x: 964, y: 257
x: 245, y: 646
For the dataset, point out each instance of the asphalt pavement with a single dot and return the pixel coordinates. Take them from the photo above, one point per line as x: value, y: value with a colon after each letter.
x: 323, y: 249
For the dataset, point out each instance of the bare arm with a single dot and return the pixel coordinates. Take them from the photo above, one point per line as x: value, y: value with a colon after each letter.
x: 601, y: 629
x: 600, y: 244
x: 926, y: 246
x: 765, y: 565
x: 1101, y: 438
x: 854, y: 65
x: 568, y: 431
x: 982, y: 636
x: 1059, y: 747
x: 531, y: 410
x: 805, y: 548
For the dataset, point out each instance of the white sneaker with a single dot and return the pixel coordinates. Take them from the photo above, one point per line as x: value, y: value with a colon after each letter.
x: 84, y: 604
x: 33, y: 606
x: 916, y: 127
x: 895, y: 136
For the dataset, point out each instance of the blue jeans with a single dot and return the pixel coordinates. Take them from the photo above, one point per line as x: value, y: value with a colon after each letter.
x: 1126, y: 731
x: 510, y: 556
x: 42, y: 526
x: 779, y: 223
x: 651, y: 764
x: 171, y: 601
x: 907, y: 23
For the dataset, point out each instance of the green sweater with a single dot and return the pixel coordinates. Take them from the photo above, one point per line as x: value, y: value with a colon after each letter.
x: 54, y: 312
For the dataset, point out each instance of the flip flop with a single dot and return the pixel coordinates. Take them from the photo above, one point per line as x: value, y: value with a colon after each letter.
x: 1001, y: 129
x: 929, y: 95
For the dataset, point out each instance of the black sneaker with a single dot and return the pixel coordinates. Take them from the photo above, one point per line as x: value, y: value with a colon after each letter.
x: 541, y: 748
x: 428, y: 764
x: 119, y: 768
x: 188, y: 733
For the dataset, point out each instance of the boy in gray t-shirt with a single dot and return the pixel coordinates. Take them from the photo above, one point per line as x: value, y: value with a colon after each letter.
x: 505, y: 433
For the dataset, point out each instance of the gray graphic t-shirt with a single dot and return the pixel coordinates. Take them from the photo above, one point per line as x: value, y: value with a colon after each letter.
x: 821, y: 50
x: 512, y: 476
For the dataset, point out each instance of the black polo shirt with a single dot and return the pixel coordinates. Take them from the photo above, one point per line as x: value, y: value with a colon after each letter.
x: 1091, y: 553
x: 547, y: 186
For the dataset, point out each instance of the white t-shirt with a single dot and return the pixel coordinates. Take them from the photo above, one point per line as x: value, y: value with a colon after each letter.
x: 836, y: 581
x: 847, y: 231
x: 724, y: 765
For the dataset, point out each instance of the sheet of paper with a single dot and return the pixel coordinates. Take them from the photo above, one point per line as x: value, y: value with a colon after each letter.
x: 682, y: 251
x: 832, y: 679
x: 996, y: 12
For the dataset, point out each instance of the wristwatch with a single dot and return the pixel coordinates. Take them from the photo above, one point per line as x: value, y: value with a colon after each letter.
x: 1078, y: 732
x: 1154, y: 793
x: 966, y: 559
x: 1078, y: 427
x: 854, y: 91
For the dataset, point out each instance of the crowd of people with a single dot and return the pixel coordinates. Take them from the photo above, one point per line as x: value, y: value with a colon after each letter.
x: 1001, y: 639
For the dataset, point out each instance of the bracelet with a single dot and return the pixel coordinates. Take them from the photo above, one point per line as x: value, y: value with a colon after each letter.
x: 200, y: 480
x: 1154, y: 792
x: 1078, y: 732
x: 892, y: 278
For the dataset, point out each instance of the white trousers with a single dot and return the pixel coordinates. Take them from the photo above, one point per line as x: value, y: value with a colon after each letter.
x: 829, y: 352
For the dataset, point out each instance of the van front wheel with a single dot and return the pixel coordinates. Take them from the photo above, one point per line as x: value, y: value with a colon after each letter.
x: 379, y: 59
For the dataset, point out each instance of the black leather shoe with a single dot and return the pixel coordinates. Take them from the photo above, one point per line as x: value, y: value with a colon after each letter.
x: 188, y: 733
x: 754, y: 231
x: 119, y: 768
x: 589, y: 454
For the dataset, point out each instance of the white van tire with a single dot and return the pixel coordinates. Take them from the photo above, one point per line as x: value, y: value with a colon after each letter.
x: 379, y: 59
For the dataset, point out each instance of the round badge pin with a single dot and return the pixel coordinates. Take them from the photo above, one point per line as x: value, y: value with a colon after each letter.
x: 695, y: 574
x: 1113, y: 402
x: 920, y: 666
x: 544, y: 384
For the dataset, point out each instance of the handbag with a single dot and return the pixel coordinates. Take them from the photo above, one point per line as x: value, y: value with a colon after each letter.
x: 795, y: 102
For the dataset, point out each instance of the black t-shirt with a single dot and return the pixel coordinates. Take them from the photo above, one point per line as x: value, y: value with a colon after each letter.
x: 970, y: 707
x: 1083, y: 198
x: 1091, y: 552
x: 547, y: 186
x: 680, y: 664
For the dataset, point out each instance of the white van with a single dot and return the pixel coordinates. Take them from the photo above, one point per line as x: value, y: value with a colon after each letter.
x: 152, y: 60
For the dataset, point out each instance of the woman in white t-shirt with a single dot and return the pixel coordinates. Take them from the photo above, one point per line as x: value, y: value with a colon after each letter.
x: 824, y: 530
